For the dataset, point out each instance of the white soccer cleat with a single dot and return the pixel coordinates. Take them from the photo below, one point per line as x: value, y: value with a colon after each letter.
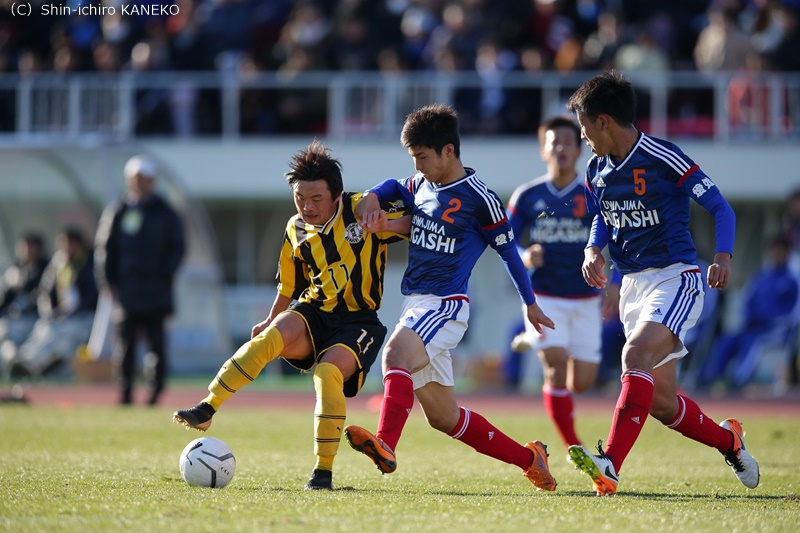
x: 738, y: 458
x: 598, y: 467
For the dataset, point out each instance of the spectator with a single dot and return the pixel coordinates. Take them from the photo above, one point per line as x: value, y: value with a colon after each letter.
x: 19, y: 287
x: 140, y: 244
x: 786, y: 56
x: 769, y: 314
x: 67, y: 297
x: 722, y: 45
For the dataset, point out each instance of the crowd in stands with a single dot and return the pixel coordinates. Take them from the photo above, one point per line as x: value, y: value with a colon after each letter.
x: 391, y: 35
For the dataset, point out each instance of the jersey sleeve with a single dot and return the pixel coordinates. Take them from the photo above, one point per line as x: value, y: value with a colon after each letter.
x: 699, y: 187
x: 516, y: 218
x: 500, y: 236
x: 393, y: 190
x: 292, y: 272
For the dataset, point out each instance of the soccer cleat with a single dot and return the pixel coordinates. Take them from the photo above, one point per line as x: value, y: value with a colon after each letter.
x: 539, y: 473
x: 197, y: 417
x: 320, y: 480
x: 365, y: 442
x: 598, y: 467
x: 738, y: 458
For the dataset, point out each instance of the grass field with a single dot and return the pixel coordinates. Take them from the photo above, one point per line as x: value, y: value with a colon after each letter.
x: 103, y: 469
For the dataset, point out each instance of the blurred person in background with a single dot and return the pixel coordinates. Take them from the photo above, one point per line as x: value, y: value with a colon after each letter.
x: 67, y: 298
x: 769, y: 311
x: 140, y: 243
x: 19, y: 286
x: 549, y: 215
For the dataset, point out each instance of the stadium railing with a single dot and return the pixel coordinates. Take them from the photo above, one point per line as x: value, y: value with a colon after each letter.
x: 721, y: 106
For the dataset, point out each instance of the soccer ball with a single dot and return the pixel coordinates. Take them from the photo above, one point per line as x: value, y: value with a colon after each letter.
x: 207, y: 462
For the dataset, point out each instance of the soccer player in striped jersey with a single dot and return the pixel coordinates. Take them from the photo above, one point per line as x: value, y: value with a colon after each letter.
x: 334, y: 270
x: 549, y: 218
x: 454, y: 217
x: 639, y: 189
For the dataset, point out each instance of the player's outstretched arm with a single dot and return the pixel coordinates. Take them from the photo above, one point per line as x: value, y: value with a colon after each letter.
x: 592, y: 269
x: 537, y: 317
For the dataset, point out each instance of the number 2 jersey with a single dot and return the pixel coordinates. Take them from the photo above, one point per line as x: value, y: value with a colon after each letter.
x: 558, y: 220
x: 451, y: 226
x: 642, y: 206
x: 337, y: 267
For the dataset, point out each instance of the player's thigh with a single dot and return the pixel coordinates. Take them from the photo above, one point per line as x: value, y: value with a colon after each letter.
x: 582, y: 375
x: 555, y: 361
x: 405, y: 349
x: 343, y: 358
x: 647, y: 345
x: 294, y: 331
x: 439, y: 405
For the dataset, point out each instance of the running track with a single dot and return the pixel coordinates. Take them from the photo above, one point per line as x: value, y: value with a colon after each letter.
x: 87, y: 394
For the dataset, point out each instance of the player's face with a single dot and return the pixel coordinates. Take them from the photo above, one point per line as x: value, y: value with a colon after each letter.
x: 594, y: 133
x: 561, y: 148
x: 314, y: 201
x: 434, y: 167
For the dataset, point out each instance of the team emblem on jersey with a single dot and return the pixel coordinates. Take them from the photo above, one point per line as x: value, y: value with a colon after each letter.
x: 354, y: 233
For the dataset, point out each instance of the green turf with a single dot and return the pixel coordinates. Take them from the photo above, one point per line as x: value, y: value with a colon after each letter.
x: 108, y: 469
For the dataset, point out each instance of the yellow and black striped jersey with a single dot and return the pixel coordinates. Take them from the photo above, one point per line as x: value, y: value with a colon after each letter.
x: 338, y: 266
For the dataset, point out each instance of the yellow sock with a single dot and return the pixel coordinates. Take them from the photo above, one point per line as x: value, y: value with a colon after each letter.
x: 245, y: 365
x: 329, y: 414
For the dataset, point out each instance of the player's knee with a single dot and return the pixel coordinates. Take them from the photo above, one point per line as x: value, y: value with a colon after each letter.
x: 663, y: 410
x: 328, y: 375
x: 444, y: 422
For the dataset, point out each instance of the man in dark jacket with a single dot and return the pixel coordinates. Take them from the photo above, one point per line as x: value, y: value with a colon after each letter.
x: 139, y: 246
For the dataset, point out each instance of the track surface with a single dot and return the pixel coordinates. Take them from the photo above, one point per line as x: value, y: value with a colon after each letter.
x: 88, y: 394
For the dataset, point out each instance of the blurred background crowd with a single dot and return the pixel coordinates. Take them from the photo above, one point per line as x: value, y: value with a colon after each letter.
x: 409, y: 35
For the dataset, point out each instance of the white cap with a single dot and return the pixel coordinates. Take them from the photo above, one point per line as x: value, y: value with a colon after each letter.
x: 140, y: 164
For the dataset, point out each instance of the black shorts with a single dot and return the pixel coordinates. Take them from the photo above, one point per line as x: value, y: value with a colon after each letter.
x: 359, y: 331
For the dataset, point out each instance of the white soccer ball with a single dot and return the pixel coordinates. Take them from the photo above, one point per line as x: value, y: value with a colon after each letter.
x: 207, y: 462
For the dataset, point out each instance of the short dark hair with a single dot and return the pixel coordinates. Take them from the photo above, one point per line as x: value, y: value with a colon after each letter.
x: 33, y: 239
x: 608, y: 93
x: 74, y: 235
x: 316, y: 163
x: 559, y: 122
x: 433, y: 126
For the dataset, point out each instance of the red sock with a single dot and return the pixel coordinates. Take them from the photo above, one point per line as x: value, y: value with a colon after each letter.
x: 398, y: 399
x: 474, y: 430
x: 558, y: 405
x: 693, y: 423
x: 633, y: 407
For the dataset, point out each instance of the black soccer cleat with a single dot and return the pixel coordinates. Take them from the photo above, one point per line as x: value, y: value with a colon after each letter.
x: 197, y: 417
x: 320, y: 480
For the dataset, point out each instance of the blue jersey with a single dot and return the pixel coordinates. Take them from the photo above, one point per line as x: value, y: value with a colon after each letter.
x: 642, y: 205
x: 558, y: 220
x: 451, y: 226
